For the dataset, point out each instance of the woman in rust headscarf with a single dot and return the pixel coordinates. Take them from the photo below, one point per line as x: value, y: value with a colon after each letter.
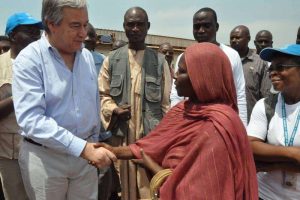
x: 202, y: 140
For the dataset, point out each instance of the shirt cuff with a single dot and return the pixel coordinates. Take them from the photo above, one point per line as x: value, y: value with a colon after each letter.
x: 76, y: 147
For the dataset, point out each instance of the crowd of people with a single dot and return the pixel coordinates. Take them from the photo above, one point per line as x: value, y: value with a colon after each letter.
x: 220, y: 122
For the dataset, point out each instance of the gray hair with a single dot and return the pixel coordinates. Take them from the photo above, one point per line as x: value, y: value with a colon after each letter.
x: 52, y: 10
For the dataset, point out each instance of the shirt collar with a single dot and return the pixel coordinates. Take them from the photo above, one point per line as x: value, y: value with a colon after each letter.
x: 249, y: 55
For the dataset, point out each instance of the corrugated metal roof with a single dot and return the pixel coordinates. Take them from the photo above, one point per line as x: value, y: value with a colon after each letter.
x: 153, y: 40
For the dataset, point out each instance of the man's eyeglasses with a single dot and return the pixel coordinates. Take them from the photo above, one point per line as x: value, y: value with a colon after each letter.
x: 281, y: 67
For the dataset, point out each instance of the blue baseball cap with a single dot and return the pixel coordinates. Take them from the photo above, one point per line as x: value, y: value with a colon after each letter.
x: 268, y: 53
x: 21, y: 18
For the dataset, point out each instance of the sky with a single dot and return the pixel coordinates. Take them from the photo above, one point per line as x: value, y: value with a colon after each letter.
x: 174, y: 17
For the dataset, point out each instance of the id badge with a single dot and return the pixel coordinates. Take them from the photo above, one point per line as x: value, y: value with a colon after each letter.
x: 289, y: 180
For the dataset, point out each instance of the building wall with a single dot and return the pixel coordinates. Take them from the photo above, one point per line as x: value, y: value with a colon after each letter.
x: 152, y: 41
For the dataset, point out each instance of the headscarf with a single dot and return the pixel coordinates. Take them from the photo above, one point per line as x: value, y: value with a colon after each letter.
x: 205, y: 144
x: 211, y: 75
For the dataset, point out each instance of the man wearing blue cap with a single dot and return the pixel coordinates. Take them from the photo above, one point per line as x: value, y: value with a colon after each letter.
x: 22, y: 29
x: 274, y: 131
x: 56, y: 100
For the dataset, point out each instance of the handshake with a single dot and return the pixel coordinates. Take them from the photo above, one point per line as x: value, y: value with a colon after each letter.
x: 98, y: 154
x: 107, y: 154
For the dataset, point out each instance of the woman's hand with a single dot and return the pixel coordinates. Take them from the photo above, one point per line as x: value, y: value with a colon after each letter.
x: 121, y: 152
x: 148, y: 162
x: 265, y: 152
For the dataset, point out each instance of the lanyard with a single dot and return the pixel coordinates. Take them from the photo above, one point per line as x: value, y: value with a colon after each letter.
x: 291, y: 142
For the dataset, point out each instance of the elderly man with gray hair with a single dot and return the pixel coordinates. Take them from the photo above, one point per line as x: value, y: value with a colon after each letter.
x: 56, y: 101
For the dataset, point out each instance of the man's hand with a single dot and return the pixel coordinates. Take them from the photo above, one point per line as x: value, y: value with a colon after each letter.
x: 5, y: 91
x: 123, y: 112
x: 6, y: 101
x: 99, y: 157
